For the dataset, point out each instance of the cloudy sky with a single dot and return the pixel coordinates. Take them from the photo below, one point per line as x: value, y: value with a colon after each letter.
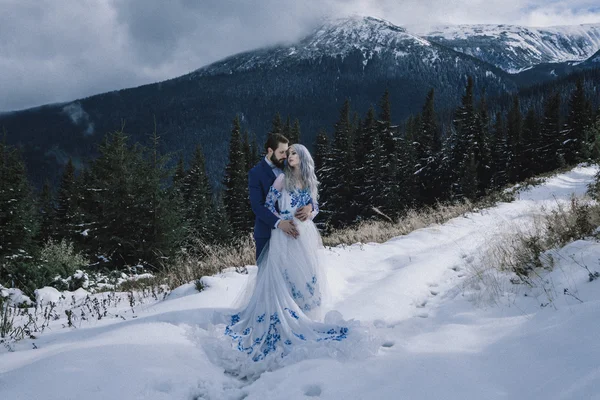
x: 60, y: 50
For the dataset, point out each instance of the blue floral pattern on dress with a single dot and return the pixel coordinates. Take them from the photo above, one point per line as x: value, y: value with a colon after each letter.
x: 271, y: 200
x: 305, y: 300
x: 269, y: 341
x: 299, y: 198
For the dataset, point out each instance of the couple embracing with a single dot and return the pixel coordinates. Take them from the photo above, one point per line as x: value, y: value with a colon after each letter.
x: 279, y: 319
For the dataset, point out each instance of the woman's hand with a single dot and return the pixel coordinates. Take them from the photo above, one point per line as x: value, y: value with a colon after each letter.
x: 304, y: 213
x: 288, y: 228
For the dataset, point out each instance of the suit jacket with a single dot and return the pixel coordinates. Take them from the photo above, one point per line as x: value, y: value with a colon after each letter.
x: 260, y: 179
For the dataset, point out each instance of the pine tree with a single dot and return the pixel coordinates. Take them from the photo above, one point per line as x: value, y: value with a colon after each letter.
x: 407, y: 185
x: 578, y: 119
x: 18, y: 220
x: 254, y: 151
x: 463, y: 137
x: 482, y: 151
x: 340, y: 199
x: 321, y: 151
x: 551, y: 135
x: 276, y: 125
x: 247, y: 149
x: 236, y: 188
x: 294, y: 133
x: 368, y: 170
x: 47, y: 214
x: 179, y: 176
x: 427, y: 149
x: 592, y: 137
x: 287, y: 129
x: 198, y: 199
x: 323, y: 163
x: 531, y: 160
x: 163, y: 229
x: 390, y: 181
x: 67, y: 204
x: 499, y: 150
x: 514, y: 131
x: 130, y: 216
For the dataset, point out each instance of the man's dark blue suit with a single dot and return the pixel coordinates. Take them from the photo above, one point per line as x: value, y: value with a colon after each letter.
x: 260, y: 179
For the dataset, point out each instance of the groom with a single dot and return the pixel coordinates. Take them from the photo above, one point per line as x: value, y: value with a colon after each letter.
x: 260, y: 179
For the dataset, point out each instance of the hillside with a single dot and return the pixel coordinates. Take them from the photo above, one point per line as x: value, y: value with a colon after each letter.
x: 450, y: 327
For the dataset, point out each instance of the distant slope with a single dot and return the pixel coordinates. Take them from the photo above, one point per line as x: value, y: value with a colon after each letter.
x: 516, y: 48
x: 356, y: 58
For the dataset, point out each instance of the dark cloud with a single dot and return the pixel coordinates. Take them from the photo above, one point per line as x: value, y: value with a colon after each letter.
x: 52, y: 51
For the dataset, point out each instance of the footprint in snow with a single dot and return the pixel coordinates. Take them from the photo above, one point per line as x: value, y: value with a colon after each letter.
x: 312, y: 391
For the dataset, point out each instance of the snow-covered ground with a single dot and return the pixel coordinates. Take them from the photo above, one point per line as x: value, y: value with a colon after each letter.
x: 443, y: 336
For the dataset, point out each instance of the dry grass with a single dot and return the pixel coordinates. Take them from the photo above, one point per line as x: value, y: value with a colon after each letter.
x: 382, y: 231
x: 207, y: 259
x: 522, y: 258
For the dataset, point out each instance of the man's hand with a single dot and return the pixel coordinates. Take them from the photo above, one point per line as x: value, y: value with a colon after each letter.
x: 288, y: 228
x: 304, y: 213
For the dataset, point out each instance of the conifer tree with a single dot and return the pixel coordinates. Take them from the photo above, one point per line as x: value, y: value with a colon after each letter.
x: 323, y: 162
x: 368, y: 170
x: 276, y: 124
x: 163, y: 224
x: 427, y: 148
x: 18, y: 219
x: 407, y: 186
x: 551, y: 135
x: 294, y: 132
x: 287, y: 129
x: 67, y: 204
x: 130, y: 216
x: 179, y: 176
x: 236, y: 188
x: 578, y: 119
x: 499, y: 153
x: 482, y: 151
x: 247, y: 150
x: 340, y: 197
x: 464, y: 164
x: 391, y: 178
x: 254, y: 151
x: 198, y: 198
x: 592, y: 137
x: 47, y: 214
x: 321, y: 152
x: 514, y: 131
x: 531, y: 160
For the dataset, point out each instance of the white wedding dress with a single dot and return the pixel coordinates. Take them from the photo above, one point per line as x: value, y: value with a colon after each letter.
x: 278, y: 319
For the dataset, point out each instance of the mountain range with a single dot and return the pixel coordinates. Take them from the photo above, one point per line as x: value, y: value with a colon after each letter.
x: 358, y: 58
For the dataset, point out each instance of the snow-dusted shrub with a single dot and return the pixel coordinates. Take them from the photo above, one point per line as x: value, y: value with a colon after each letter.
x: 62, y: 262
x: 526, y: 252
x: 6, y: 319
x: 572, y: 222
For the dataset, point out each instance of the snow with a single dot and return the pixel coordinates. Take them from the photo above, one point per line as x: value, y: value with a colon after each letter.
x: 447, y: 334
x: 15, y: 296
x: 520, y: 47
x: 335, y: 37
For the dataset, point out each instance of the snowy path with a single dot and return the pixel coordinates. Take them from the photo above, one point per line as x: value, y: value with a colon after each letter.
x: 439, y: 345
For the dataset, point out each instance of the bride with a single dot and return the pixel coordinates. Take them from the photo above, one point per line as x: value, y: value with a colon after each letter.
x: 279, y: 313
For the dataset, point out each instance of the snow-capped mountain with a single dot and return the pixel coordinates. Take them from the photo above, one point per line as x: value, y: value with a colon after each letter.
x: 356, y: 58
x: 595, y: 59
x: 516, y: 48
x: 367, y: 37
x: 336, y: 37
